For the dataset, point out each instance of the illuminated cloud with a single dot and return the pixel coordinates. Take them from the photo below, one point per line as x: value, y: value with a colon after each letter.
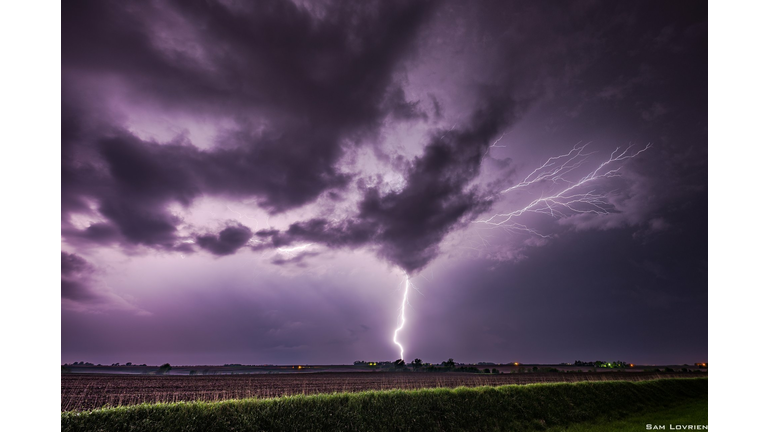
x: 259, y: 175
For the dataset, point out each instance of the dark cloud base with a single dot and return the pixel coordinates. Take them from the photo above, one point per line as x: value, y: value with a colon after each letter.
x: 314, y: 106
x: 407, y: 226
x: 317, y: 82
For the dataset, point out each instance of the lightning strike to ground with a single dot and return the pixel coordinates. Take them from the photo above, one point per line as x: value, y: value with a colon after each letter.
x: 571, y: 199
x: 402, y: 317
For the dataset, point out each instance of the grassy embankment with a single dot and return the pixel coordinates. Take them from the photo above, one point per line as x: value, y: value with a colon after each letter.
x: 507, y: 408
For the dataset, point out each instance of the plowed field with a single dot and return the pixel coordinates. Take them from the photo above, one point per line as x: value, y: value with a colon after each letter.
x: 85, y: 391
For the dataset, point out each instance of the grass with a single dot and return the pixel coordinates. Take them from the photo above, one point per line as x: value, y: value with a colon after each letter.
x: 688, y: 413
x: 504, y: 408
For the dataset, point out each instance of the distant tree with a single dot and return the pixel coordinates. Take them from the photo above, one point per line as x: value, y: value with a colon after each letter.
x: 450, y: 364
x: 164, y: 369
x: 416, y: 363
x: 399, y: 363
x: 486, y: 370
x: 193, y: 372
x: 129, y: 364
x: 494, y: 370
x: 535, y: 368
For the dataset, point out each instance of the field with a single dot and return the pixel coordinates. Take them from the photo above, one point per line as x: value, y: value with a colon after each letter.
x: 583, y: 406
x: 89, y: 391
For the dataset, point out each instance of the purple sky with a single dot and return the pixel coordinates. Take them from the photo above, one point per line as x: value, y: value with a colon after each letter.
x: 249, y: 183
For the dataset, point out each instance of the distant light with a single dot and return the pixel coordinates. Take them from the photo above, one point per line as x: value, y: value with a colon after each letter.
x: 289, y: 250
x: 631, y: 365
x: 517, y: 364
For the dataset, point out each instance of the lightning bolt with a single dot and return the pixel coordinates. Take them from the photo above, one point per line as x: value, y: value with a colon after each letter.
x: 494, y: 144
x: 402, y: 317
x: 571, y: 199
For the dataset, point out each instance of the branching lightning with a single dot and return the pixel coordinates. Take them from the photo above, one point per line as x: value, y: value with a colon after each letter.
x: 494, y: 145
x: 571, y: 199
x: 402, y: 317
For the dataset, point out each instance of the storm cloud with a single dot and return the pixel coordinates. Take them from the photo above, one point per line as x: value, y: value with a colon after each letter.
x: 406, y: 226
x: 82, y: 291
x: 74, y: 275
x: 229, y: 240
x: 296, y: 86
x: 255, y: 177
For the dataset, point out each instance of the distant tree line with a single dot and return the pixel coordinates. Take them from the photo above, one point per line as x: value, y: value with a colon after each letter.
x: 602, y: 364
x: 417, y: 365
x: 113, y: 364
